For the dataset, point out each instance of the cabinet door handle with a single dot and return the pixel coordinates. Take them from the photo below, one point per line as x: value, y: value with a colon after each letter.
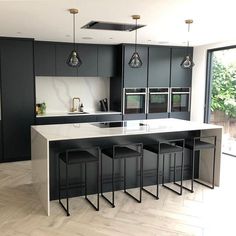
x: 157, y: 93
x: 136, y: 93
x: 180, y: 92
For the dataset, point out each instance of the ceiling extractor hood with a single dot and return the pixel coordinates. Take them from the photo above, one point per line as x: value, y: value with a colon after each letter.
x: 102, y: 25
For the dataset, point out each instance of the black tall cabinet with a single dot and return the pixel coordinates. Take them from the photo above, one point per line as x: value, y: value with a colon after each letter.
x: 17, y: 84
x: 159, y: 66
x: 135, y: 77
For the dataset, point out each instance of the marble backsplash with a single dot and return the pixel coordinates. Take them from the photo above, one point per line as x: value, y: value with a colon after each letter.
x: 58, y: 92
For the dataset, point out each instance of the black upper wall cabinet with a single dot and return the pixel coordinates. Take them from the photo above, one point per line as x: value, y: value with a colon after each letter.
x: 107, y: 60
x: 18, y: 99
x: 63, y: 51
x: 180, y: 77
x: 97, y: 60
x: 88, y: 55
x: 159, y: 66
x: 45, y: 58
x: 135, y: 77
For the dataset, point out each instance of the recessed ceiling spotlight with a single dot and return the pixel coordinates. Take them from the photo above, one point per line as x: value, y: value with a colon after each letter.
x: 18, y: 32
x: 86, y: 37
x: 149, y: 40
x: 110, y: 38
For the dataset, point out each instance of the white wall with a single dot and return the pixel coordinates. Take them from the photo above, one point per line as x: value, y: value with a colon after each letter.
x: 199, y: 78
x: 57, y: 92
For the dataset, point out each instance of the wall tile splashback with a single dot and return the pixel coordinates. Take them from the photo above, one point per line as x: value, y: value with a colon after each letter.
x: 58, y: 92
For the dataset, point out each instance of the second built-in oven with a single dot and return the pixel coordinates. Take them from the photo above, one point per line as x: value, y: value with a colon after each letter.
x: 180, y: 99
x: 134, y: 100
x: 158, y: 100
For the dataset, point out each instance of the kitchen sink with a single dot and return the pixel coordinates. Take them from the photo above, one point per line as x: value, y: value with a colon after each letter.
x: 77, y: 112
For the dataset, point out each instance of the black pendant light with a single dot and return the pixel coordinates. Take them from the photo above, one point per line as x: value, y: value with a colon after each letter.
x: 187, y: 62
x: 135, y: 61
x: 73, y: 59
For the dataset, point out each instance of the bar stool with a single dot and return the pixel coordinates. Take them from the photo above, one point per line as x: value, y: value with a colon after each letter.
x: 74, y: 157
x: 163, y: 148
x: 196, y: 144
x: 122, y: 152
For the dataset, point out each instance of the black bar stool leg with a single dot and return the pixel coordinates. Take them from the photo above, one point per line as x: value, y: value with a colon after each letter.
x: 112, y: 182
x: 67, y: 190
x: 157, y: 179
x: 140, y: 193
x: 86, y: 196
x: 163, y: 170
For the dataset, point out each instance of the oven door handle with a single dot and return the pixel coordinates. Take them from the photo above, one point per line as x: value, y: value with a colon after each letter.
x: 180, y: 93
x: 136, y: 93
x: 158, y: 93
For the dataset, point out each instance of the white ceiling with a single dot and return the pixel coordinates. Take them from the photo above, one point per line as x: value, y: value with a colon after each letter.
x: 214, y: 20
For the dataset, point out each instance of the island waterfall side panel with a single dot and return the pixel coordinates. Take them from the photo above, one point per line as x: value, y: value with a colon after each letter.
x: 40, y: 167
x: 206, y: 159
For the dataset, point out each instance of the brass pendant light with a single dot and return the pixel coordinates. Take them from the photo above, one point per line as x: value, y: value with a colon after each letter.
x: 74, y: 59
x: 187, y: 62
x: 135, y: 61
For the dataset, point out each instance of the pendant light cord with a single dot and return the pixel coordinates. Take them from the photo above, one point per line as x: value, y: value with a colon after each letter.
x: 74, y: 30
x: 188, y: 39
x: 135, y: 45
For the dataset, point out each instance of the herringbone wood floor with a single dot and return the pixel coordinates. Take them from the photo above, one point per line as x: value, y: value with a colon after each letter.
x: 205, y: 212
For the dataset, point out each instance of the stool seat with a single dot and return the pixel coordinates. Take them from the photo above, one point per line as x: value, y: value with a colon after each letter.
x: 121, y: 152
x: 198, y: 144
x: 78, y: 157
x: 165, y: 148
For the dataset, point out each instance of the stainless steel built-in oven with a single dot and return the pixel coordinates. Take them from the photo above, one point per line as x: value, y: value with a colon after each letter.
x: 158, y: 100
x: 134, y: 100
x: 180, y: 99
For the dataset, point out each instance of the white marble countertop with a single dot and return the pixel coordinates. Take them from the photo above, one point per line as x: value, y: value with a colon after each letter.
x: 87, y: 113
x: 88, y: 130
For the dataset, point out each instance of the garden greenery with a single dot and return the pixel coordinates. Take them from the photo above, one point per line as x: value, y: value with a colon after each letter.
x: 223, y: 97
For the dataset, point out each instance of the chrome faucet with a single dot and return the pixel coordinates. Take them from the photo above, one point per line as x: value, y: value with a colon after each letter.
x: 73, y: 107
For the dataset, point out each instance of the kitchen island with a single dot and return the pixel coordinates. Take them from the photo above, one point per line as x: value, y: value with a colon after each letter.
x: 48, y: 140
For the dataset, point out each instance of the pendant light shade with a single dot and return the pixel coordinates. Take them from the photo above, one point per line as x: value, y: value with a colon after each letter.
x: 135, y: 60
x: 74, y: 59
x: 187, y: 62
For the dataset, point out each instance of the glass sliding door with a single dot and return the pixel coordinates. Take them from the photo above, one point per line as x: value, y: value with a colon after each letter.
x: 222, y: 95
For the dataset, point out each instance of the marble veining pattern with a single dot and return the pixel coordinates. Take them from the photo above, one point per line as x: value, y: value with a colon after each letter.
x: 57, y: 92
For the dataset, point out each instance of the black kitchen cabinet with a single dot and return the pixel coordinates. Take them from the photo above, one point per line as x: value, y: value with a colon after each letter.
x: 135, y: 77
x: 45, y: 58
x: 50, y: 120
x: 180, y: 77
x: 104, y: 118
x: 80, y: 119
x: 107, y: 60
x: 63, y: 51
x: 159, y: 66
x: 18, y: 97
x: 88, y: 55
